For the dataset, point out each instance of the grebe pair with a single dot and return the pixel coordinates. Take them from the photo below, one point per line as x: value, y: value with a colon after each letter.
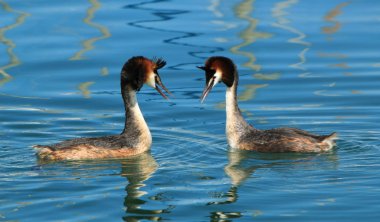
x: 136, y: 137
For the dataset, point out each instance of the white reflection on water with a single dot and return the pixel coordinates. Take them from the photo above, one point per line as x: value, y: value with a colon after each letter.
x: 214, y: 8
x: 20, y: 108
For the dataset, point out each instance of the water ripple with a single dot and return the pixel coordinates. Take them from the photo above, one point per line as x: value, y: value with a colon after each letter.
x: 88, y: 44
x: 187, y: 148
x: 13, y: 58
x: 165, y: 16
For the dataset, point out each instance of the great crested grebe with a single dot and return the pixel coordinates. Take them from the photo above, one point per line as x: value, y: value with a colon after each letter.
x: 242, y: 135
x: 134, y: 139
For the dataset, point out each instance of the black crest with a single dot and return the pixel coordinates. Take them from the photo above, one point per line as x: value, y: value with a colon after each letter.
x: 159, y: 63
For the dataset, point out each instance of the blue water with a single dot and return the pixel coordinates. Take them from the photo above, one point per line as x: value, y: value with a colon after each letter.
x: 308, y: 64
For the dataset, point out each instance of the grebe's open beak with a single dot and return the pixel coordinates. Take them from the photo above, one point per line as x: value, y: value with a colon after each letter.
x: 158, y: 82
x: 210, y: 83
x: 207, y: 89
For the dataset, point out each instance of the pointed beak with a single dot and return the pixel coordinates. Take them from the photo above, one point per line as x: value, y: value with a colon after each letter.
x: 212, y: 81
x: 207, y: 89
x: 158, y: 82
x: 201, y: 67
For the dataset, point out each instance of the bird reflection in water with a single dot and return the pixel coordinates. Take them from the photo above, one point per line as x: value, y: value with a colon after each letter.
x: 238, y: 172
x: 243, y: 164
x: 137, y: 170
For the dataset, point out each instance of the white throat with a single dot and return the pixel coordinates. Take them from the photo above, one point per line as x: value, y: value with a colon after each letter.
x: 135, y: 129
x: 151, y: 80
x: 236, y: 126
x: 218, y: 77
x: 232, y: 115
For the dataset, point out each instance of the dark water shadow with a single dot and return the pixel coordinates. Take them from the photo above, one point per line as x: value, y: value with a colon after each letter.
x: 164, y: 15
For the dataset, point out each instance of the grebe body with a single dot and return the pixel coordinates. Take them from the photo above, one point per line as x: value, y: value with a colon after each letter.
x: 134, y: 139
x: 240, y: 134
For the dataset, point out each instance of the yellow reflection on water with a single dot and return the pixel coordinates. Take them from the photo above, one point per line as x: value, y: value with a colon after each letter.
x: 89, y: 43
x: 342, y: 65
x: 332, y: 55
x: 249, y: 35
x: 329, y: 30
x: 13, y: 59
x: 356, y: 91
x: 104, y: 71
x: 331, y: 17
x: 272, y: 76
x: 249, y: 92
x: 83, y: 87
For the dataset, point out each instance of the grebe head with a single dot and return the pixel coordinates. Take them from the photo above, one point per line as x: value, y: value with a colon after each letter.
x: 217, y: 69
x: 139, y: 70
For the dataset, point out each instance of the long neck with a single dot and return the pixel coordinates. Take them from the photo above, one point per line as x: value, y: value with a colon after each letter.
x: 236, y: 126
x: 136, y: 130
